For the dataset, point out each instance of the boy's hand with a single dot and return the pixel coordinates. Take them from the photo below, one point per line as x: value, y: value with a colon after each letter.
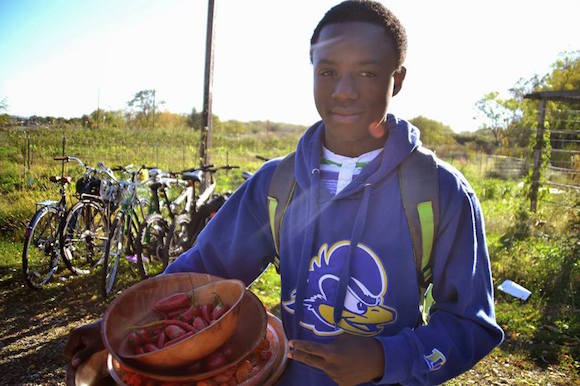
x: 83, y: 342
x: 349, y: 360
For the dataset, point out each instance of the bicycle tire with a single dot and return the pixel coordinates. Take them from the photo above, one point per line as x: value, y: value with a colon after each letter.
x: 84, y: 236
x: 180, y: 237
x: 185, y: 229
x: 40, y: 252
x: 112, y: 256
x: 152, y: 247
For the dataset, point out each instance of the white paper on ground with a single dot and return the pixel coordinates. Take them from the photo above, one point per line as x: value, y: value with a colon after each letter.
x: 514, y: 289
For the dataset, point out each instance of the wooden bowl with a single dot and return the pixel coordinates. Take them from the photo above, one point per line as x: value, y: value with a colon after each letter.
x: 248, y: 334
x: 134, y: 307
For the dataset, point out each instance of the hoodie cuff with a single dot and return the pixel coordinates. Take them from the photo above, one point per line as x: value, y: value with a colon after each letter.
x: 398, y: 359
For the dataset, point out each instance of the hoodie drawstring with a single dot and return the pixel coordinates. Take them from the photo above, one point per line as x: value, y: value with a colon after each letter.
x: 344, y: 276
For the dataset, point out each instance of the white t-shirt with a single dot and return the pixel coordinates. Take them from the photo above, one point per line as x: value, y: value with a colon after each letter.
x: 337, y: 171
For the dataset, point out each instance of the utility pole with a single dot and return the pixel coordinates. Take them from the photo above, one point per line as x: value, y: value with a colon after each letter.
x: 206, y: 115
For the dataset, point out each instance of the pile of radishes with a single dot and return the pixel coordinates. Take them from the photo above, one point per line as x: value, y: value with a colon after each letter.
x: 181, y: 317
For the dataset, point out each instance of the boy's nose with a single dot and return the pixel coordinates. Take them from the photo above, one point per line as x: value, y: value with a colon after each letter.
x: 345, y: 88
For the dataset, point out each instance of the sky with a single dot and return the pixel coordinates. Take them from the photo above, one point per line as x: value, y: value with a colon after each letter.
x: 66, y: 58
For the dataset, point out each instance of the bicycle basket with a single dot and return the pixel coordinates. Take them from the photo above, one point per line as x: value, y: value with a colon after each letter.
x: 110, y: 191
x: 88, y: 185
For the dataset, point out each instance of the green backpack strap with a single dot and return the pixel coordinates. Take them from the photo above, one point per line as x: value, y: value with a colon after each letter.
x: 280, y: 194
x: 419, y: 184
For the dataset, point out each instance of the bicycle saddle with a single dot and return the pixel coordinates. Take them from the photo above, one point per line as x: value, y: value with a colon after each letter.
x: 63, y: 180
x: 196, y: 175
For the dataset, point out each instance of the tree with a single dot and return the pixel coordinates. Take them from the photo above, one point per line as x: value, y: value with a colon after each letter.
x: 510, y: 120
x: 497, y: 113
x: 143, y: 107
x: 194, y: 119
x: 433, y: 132
x: 4, y: 118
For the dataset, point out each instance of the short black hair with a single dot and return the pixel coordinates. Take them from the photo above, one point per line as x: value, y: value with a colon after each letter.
x: 369, y: 12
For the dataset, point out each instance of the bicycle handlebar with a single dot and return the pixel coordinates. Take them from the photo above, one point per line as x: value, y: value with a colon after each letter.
x: 67, y: 158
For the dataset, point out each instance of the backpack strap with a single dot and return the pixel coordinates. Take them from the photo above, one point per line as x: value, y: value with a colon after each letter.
x: 280, y: 194
x: 419, y: 184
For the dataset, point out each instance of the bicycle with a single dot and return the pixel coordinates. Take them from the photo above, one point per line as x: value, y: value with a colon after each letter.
x: 123, y: 231
x: 152, y: 241
x: 86, y: 226
x: 187, y: 226
x: 41, y: 252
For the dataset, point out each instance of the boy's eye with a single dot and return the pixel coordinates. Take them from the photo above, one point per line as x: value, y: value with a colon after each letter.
x: 368, y: 74
x: 326, y: 73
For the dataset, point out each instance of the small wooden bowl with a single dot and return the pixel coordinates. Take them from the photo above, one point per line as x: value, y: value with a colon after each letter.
x: 134, y: 306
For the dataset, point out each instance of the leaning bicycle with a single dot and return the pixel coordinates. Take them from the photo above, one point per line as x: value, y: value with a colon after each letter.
x: 41, y: 252
x: 87, y: 224
x: 121, y: 244
x: 187, y: 226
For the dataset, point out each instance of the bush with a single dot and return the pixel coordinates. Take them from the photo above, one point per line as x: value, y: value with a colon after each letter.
x: 540, y: 258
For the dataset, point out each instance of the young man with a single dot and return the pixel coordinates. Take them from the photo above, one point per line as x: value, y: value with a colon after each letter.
x: 350, y: 299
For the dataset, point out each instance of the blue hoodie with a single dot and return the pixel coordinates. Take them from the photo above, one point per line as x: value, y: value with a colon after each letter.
x: 349, y: 258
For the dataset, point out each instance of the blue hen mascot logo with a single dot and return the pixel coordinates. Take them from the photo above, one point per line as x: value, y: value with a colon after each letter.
x: 364, y: 311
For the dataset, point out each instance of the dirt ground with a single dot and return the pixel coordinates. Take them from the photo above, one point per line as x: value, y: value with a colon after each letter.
x: 34, y: 327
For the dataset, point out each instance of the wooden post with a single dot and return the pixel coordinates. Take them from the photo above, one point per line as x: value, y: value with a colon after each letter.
x: 206, y: 116
x: 538, y: 156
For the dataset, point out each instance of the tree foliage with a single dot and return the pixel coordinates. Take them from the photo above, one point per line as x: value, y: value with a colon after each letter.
x: 144, y: 107
x: 511, y: 120
x: 4, y: 118
x: 433, y: 132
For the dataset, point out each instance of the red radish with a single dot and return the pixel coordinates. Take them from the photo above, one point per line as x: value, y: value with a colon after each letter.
x: 173, y: 331
x: 187, y: 315
x: 165, y: 322
x: 218, y: 311
x: 173, y: 302
x: 179, y: 338
x: 227, y: 350
x: 161, y: 339
x: 150, y: 347
x: 134, y: 340
x: 215, y: 360
x: 199, y: 323
x: 206, y: 310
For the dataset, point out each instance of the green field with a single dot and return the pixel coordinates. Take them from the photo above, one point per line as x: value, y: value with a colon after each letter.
x: 540, y: 251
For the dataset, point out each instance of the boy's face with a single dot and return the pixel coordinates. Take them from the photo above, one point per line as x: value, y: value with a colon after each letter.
x: 354, y: 79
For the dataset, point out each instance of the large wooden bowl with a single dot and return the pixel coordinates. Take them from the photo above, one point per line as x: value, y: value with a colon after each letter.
x: 134, y: 307
x: 249, y: 333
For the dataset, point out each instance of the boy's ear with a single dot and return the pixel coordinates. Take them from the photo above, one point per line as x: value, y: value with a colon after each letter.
x: 399, y: 77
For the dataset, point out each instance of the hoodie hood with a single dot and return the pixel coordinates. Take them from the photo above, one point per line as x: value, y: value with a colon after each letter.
x: 402, y: 139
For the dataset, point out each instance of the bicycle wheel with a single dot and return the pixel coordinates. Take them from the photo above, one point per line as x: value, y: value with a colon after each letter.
x: 112, y: 256
x: 84, y: 236
x: 152, y: 248
x: 180, y: 237
x: 40, y: 252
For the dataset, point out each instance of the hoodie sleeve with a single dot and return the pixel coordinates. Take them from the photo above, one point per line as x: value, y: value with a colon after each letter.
x: 237, y: 242
x: 462, y: 327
